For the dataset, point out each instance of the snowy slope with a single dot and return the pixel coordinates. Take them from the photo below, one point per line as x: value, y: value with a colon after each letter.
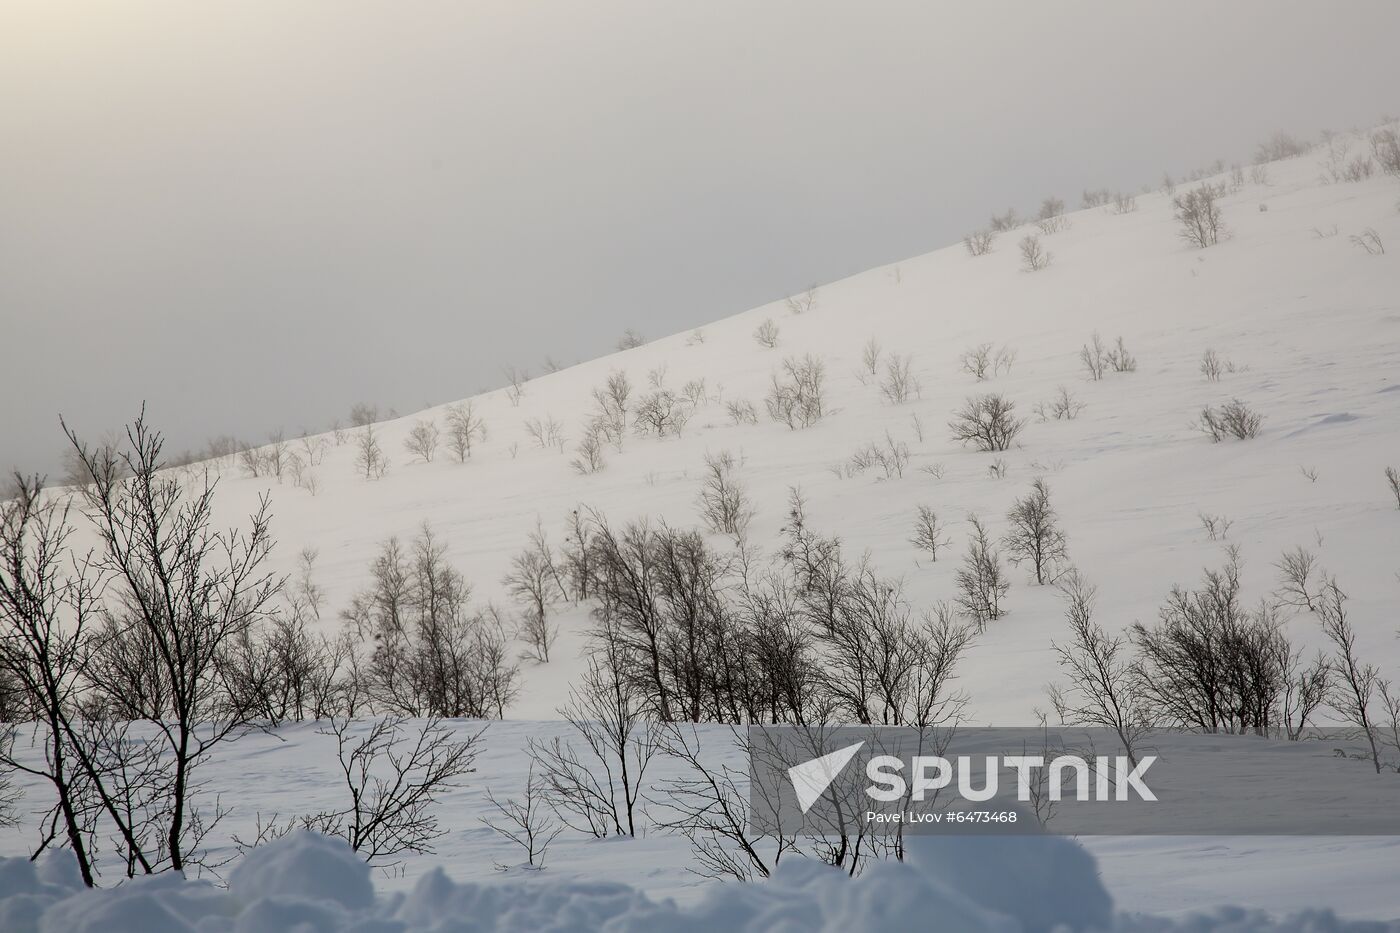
x: 1312, y: 322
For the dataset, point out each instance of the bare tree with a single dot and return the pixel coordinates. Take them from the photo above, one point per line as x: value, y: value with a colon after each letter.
x: 662, y: 413
x: 801, y: 304
x: 899, y: 383
x: 870, y: 357
x: 988, y: 422
x: 464, y: 429
x: 46, y: 614
x: 741, y: 411
x: 1124, y: 203
x: 370, y: 459
x: 980, y: 582
x: 1034, y: 257
x: 182, y: 593
x: 766, y: 334
x: 595, y: 778
x: 546, y: 432
x: 723, y: 502
x: 422, y: 440
x: 1102, y: 687
x: 535, y: 581
x: 796, y: 396
x: 1051, y: 218
x: 1358, y: 682
x: 1000, y: 223
x: 1211, y: 365
x: 515, y: 384
x: 1296, y: 569
x: 1120, y: 360
x: 1094, y: 356
x: 1385, y: 146
x: 1035, y: 534
x: 630, y: 340
x: 1064, y: 406
x: 526, y: 821
x: 1198, y: 212
x: 362, y: 414
x: 979, y: 242
x: 928, y: 533
x: 977, y: 361
x: 1392, y: 477
x: 1232, y: 419
x: 589, y: 452
x: 393, y: 775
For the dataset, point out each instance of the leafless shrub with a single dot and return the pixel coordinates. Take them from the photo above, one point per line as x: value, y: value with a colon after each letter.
x: 695, y: 393
x: 1051, y: 218
x: 610, y: 420
x: 1094, y: 356
x: 1259, y: 174
x: 1356, y: 681
x: 525, y: 822
x: 546, y: 432
x: 464, y: 429
x: 917, y: 424
x: 275, y: 453
x: 796, y: 396
x: 338, y: 434
x: 515, y: 384
x: 988, y: 422
x: 1385, y: 146
x: 551, y: 365
x: 1393, y: 478
x: 1033, y: 256
x: 250, y: 458
x: 1124, y: 203
x: 891, y: 457
x: 595, y: 778
x: 1212, y: 366
x: 1000, y: 223
x: 723, y: 502
x: 1035, y: 534
x: 932, y: 469
x: 1309, y: 473
x: 314, y: 449
x: 1281, y: 145
x: 1063, y: 407
x: 1168, y: 186
x: 1236, y: 178
x: 589, y: 452
x: 801, y: 304
x: 362, y: 414
x: 656, y: 378
x: 630, y: 340
x: 1005, y: 359
x: 980, y: 581
x: 661, y: 413
x: 1369, y: 240
x: 1296, y: 569
x: 870, y: 358
x: 1103, y: 688
x: 766, y: 335
x: 1232, y: 419
x: 1325, y: 233
x: 928, y: 535
x: 899, y: 383
x: 1217, y: 526
x: 741, y: 411
x: 370, y: 459
x: 997, y: 469
x: 1198, y: 212
x: 977, y: 361
x: 1120, y: 360
x: 695, y: 338
x: 979, y: 243
x: 392, y: 775
x: 422, y: 440
x: 1095, y: 197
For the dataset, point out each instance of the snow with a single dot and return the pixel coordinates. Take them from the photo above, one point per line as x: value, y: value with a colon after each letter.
x: 1313, y: 324
x: 304, y: 883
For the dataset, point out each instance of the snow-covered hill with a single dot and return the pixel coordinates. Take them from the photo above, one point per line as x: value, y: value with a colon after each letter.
x: 1309, y: 319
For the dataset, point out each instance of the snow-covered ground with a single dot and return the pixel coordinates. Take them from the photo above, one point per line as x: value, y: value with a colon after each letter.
x: 1311, y: 321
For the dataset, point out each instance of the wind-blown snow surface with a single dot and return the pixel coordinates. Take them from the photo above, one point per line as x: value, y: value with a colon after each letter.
x: 1311, y: 321
x: 307, y: 883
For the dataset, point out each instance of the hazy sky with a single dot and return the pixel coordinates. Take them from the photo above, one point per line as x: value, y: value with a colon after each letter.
x: 253, y: 214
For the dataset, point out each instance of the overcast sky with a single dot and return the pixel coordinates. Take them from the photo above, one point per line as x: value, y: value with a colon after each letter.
x: 254, y: 214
